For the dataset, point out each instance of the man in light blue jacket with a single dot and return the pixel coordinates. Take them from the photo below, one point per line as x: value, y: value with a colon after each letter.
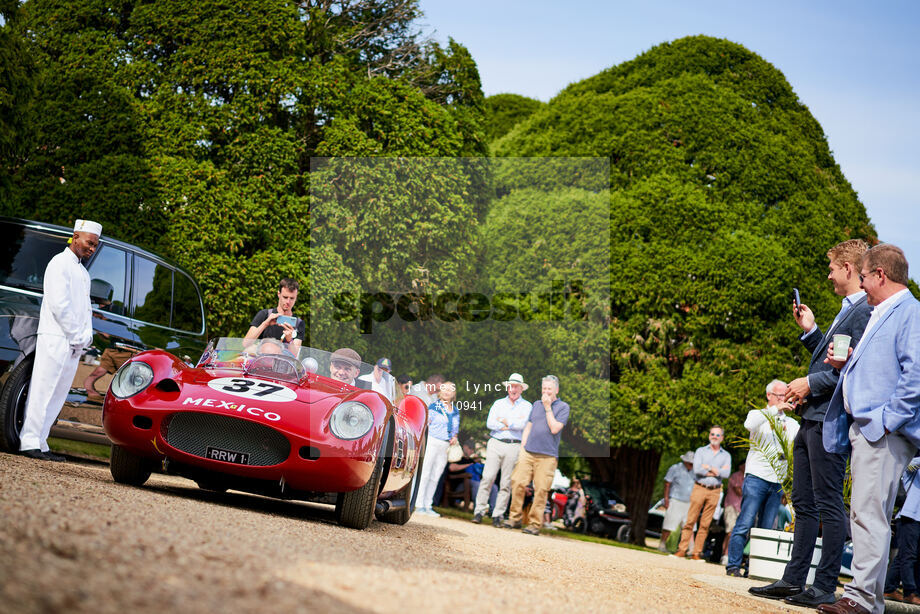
x: 875, y: 411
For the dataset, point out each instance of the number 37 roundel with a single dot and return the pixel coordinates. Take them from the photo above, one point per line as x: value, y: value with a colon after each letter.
x: 253, y: 389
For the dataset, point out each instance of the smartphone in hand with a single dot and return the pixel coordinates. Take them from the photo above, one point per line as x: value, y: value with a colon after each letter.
x: 289, y: 320
x: 796, y: 301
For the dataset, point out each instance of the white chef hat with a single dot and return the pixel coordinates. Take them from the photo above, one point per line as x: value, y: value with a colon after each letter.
x: 88, y: 226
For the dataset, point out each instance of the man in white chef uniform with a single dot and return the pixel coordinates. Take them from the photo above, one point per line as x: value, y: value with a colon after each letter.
x: 64, y: 328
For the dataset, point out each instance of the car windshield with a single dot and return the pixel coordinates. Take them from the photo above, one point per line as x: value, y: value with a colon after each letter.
x: 272, y: 358
x: 602, y: 494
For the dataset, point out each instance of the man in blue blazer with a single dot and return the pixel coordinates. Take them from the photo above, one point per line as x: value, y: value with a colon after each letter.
x: 875, y: 412
x: 817, y: 475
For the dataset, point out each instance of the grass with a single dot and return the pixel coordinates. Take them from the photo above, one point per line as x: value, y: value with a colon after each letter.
x: 79, y: 448
x: 453, y: 512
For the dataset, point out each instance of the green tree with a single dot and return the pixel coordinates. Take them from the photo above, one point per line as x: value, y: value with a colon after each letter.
x: 724, y: 196
x: 505, y: 111
x: 17, y: 91
x: 189, y: 128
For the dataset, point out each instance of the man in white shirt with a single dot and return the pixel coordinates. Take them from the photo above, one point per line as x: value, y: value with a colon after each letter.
x: 380, y: 379
x: 64, y: 328
x: 772, y: 434
x: 507, y: 419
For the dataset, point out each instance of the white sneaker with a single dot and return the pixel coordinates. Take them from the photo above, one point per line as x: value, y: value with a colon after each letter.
x: 724, y: 560
x: 433, y: 513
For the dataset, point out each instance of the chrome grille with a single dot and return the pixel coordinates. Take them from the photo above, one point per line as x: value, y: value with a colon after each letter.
x: 194, y: 433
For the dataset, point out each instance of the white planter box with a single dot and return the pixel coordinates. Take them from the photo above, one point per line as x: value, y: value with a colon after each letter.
x: 771, y: 550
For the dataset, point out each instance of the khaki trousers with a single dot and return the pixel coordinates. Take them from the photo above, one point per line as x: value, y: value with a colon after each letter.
x: 499, y: 455
x: 537, y: 467
x: 703, y: 502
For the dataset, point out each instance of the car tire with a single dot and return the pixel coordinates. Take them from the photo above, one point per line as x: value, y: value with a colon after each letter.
x: 128, y: 468
x: 596, y: 526
x: 355, y: 509
x: 410, y: 491
x: 13, y: 405
x: 624, y: 533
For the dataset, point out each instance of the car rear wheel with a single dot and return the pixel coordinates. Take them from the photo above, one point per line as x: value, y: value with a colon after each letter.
x: 624, y: 533
x: 409, y: 493
x: 128, y: 468
x: 13, y: 406
x: 356, y: 508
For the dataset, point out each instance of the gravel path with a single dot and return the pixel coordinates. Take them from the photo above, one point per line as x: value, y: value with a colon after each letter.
x: 74, y: 541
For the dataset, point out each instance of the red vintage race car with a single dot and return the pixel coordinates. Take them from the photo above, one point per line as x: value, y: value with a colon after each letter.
x: 251, y: 416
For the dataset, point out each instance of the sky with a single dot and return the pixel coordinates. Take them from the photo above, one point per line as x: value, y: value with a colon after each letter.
x: 855, y: 65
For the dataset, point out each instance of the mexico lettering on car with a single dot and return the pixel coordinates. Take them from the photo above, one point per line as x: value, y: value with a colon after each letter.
x: 232, y: 407
x: 253, y: 389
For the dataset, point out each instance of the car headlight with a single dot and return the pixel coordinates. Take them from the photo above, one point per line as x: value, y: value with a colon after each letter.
x: 351, y: 420
x: 131, y: 379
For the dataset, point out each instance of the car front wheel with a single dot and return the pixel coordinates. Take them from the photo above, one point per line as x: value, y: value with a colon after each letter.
x: 356, y: 508
x: 128, y: 468
x: 13, y: 406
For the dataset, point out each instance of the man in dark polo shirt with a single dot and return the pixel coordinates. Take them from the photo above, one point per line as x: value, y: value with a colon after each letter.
x: 266, y: 324
x: 538, y: 456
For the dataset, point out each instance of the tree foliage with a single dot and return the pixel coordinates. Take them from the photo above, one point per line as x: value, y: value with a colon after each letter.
x: 505, y: 111
x: 724, y: 196
x: 17, y: 90
x: 189, y: 128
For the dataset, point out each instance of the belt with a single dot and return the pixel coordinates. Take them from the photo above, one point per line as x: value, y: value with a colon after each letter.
x: 506, y: 440
x: 709, y: 487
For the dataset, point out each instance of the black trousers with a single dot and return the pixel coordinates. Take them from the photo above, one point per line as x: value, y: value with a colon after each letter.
x: 903, y: 569
x: 817, y: 496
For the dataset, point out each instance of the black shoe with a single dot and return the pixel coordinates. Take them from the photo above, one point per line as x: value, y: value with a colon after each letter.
x: 497, y: 522
x: 57, y: 458
x: 734, y: 572
x: 36, y: 454
x: 532, y: 531
x: 511, y: 525
x: 477, y: 518
x: 811, y: 597
x: 778, y: 590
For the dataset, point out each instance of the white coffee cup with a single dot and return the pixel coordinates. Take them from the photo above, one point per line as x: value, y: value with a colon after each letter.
x: 841, y: 344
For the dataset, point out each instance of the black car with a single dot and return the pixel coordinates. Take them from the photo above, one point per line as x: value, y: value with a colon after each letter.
x: 140, y: 301
x: 605, y: 512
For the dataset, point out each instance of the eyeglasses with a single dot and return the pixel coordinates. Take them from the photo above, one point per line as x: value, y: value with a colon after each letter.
x: 775, y: 394
x: 715, y: 434
x: 862, y: 276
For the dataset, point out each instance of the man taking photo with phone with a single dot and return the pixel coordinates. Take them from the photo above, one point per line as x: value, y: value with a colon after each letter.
x: 817, y: 475
x: 280, y: 322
